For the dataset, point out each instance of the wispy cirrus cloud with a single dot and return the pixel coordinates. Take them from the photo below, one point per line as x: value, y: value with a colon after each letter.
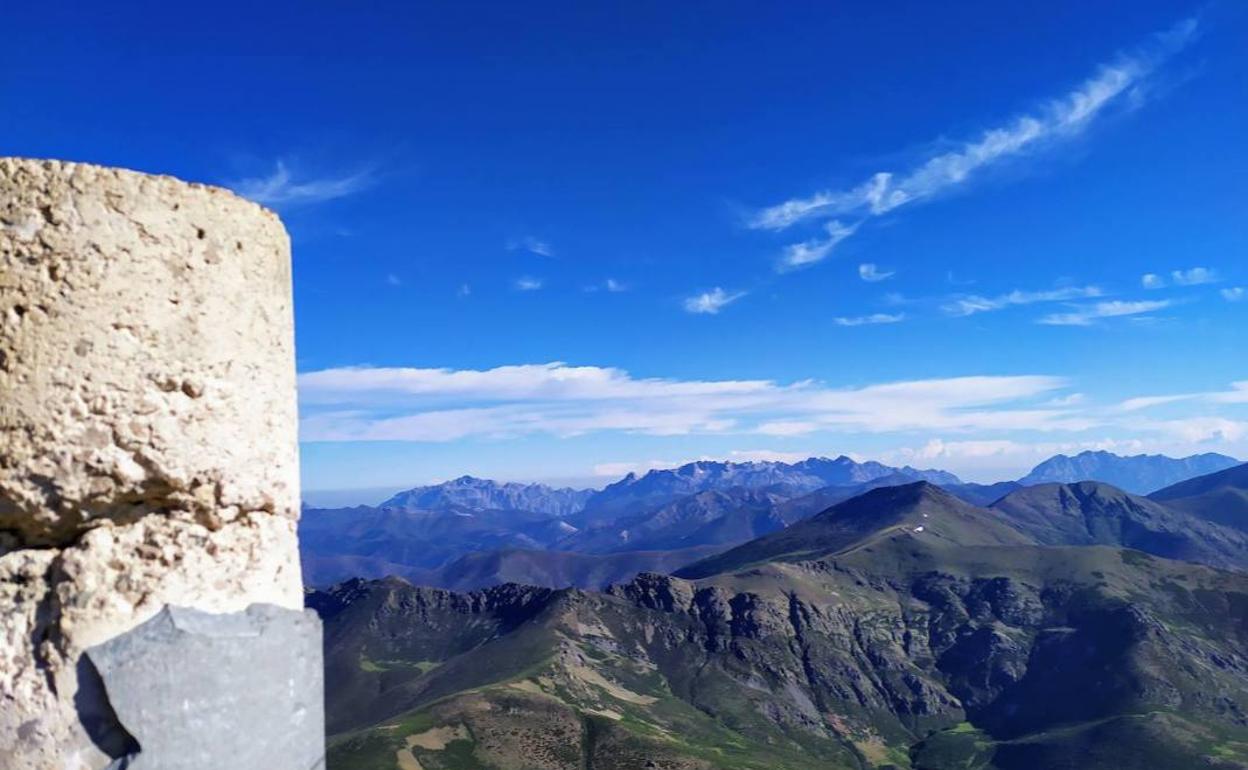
x: 281, y: 188
x: 1087, y: 314
x: 610, y: 285
x: 866, y: 320
x: 1237, y: 394
x: 1202, y: 429
x: 871, y: 273
x: 1120, y: 81
x: 971, y: 304
x: 408, y: 404
x: 1148, y: 402
x: 711, y: 302
x: 1204, y: 425
x: 532, y: 245
x: 806, y: 253
x: 1233, y: 294
x: 527, y: 283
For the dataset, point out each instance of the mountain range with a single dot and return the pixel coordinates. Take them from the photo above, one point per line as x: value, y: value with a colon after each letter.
x: 904, y: 627
x: 471, y: 533
x: 1140, y: 474
x: 482, y: 494
x: 659, y: 486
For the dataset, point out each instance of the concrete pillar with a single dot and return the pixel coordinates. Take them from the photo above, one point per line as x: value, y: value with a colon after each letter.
x: 148, y: 451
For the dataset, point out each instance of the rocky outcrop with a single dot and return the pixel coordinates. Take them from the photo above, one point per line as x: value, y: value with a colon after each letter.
x: 147, y: 426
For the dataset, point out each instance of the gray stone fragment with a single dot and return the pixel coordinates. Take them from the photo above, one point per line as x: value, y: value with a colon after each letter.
x: 199, y: 690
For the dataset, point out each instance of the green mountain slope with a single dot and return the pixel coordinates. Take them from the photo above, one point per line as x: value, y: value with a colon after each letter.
x: 1091, y: 513
x: 901, y: 653
x: 558, y: 569
x: 921, y: 510
x: 852, y: 640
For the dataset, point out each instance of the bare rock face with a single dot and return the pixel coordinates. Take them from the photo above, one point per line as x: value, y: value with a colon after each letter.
x: 233, y: 672
x: 148, y: 426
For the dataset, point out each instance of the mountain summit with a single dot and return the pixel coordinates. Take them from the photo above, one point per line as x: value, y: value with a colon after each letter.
x: 483, y: 494
x: 919, y: 510
x: 1092, y: 513
x: 659, y: 487
x: 1220, y: 497
x: 1139, y: 474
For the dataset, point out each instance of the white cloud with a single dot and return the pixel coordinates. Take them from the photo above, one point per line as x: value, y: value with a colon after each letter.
x: 768, y: 455
x: 609, y: 285
x: 1238, y: 394
x: 1147, y: 402
x: 939, y: 449
x: 871, y: 273
x: 617, y: 470
x: 532, y: 245
x: 281, y: 189
x: 1233, y: 294
x: 972, y: 304
x: 527, y: 283
x: 1201, y: 430
x: 379, y: 404
x: 1117, y: 83
x: 393, y: 280
x: 641, y: 467
x: 806, y: 253
x: 1194, y: 276
x: 711, y: 302
x: 995, y: 459
x: 464, y: 290
x: 1087, y: 314
x: 981, y: 426
x: 874, y: 318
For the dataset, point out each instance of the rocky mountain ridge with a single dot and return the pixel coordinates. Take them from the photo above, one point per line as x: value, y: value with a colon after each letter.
x: 484, y: 494
x: 881, y: 637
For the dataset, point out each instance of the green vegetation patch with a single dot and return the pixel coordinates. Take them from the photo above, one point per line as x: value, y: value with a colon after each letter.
x: 375, y: 666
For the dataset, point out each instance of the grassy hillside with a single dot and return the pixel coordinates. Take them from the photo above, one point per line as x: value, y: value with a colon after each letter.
x: 925, y: 510
x: 903, y: 651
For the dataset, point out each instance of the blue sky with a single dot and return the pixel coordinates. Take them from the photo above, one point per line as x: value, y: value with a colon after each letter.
x: 563, y: 240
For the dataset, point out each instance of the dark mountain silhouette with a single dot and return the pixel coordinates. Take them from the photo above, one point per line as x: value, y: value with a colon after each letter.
x: 1220, y: 497
x: 1092, y: 513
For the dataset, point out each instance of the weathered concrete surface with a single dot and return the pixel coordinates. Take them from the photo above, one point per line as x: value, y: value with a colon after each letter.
x: 196, y: 690
x: 147, y: 426
x: 147, y: 352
